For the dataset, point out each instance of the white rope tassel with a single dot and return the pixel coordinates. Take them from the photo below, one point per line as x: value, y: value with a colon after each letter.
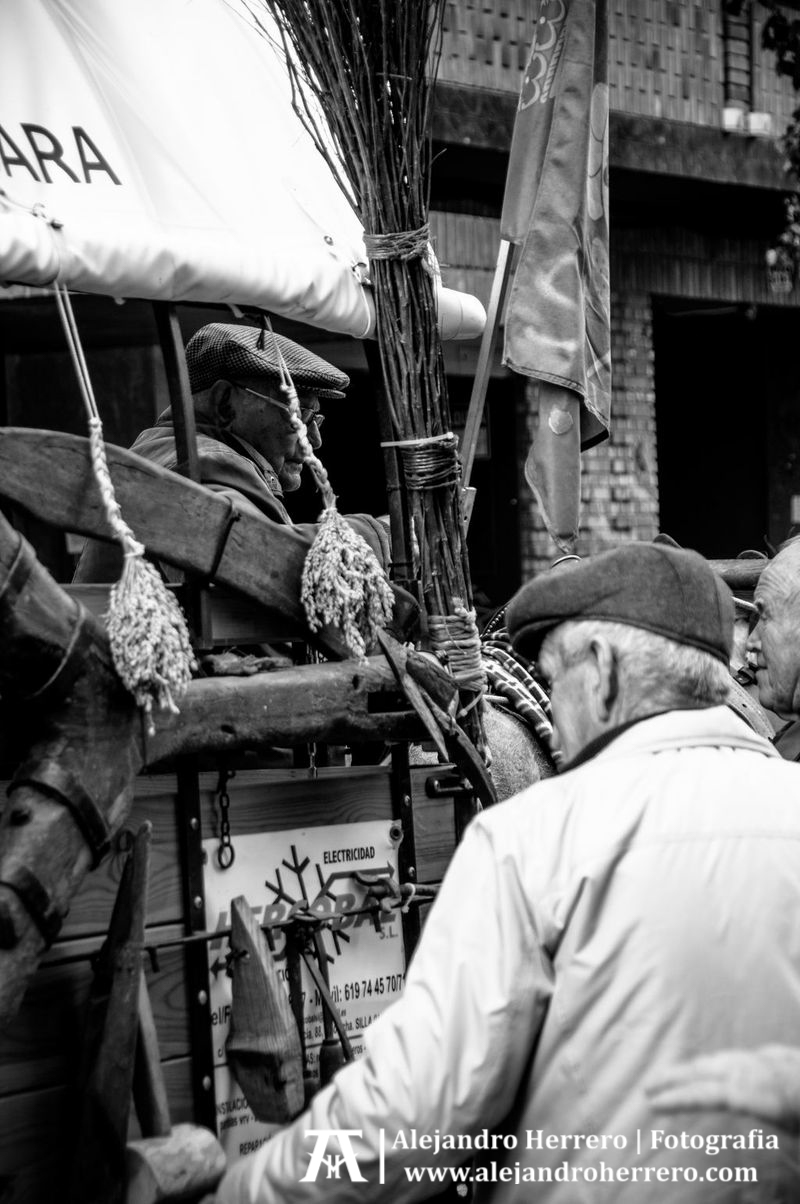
x: 342, y: 582
x: 147, y: 632
x: 344, y: 585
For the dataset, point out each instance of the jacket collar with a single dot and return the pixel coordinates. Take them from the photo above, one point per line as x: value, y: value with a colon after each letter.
x: 709, y: 726
x: 206, y: 426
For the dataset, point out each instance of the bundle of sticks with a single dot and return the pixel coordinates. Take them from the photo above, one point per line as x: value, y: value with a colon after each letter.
x: 361, y: 74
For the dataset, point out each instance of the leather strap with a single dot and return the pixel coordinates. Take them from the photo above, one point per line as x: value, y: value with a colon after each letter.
x: 18, y: 574
x: 59, y: 784
x: 36, y: 900
x: 231, y: 517
x: 59, y: 683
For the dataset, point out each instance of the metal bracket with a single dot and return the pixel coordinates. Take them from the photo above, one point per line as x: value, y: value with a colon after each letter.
x: 448, y: 785
x: 403, y: 812
x: 190, y: 838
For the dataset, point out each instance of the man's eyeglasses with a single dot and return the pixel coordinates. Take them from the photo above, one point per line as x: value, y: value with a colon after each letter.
x: 308, y: 415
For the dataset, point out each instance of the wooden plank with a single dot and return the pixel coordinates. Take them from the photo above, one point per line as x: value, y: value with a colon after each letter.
x: 342, y: 702
x: 91, y: 906
x: 338, y: 702
x: 261, y: 801
x: 234, y: 620
x: 263, y: 1046
x: 647, y: 144
x: 644, y: 143
x: 336, y: 796
x: 180, y: 394
x: 434, y: 826
x: 109, y: 1040
x: 34, y: 1135
x: 39, y: 1046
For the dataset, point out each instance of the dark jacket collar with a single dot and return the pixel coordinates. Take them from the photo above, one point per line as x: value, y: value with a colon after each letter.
x: 597, y: 745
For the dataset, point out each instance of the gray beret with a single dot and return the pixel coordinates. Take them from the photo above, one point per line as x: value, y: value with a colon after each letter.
x: 222, y: 351
x: 669, y: 591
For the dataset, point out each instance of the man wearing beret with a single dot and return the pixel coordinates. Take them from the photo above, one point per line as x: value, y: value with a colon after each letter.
x: 636, y: 909
x: 247, y: 448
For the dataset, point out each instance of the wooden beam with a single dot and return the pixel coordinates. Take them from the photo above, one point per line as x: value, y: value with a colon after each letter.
x: 337, y: 703
x: 482, y: 120
x: 183, y: 424
x: 694, y: 153
x: 477, y: 401
x: 180, y: 395
x: 402, y: 558
x: 49, y: 474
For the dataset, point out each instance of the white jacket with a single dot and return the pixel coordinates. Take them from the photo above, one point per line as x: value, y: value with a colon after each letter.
x: 636, y: 911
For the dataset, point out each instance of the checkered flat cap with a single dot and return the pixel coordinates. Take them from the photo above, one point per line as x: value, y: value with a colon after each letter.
x: 222, y: 351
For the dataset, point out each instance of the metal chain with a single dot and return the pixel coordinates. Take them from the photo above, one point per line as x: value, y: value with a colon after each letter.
x: 226, y: 853
x: 313, y: 658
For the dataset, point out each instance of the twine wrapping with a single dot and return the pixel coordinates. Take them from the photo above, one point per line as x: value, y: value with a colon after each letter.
x: 455, y: 639
x: 148, y: 637
x: 342, y: 582
x: 405, y: 244
x: 430, y: 463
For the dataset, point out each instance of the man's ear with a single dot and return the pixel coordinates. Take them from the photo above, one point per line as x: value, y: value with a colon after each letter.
x: 607, y: 676
x: 220, y: 395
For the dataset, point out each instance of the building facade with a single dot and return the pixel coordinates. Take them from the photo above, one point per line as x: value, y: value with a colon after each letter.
x: 705, y: 438
x: 705, y: 404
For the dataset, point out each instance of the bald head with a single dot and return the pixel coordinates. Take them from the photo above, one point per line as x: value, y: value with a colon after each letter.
x: 774, y: 643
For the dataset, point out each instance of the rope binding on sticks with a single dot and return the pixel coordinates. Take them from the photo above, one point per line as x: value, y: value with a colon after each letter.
x: 403, y: 244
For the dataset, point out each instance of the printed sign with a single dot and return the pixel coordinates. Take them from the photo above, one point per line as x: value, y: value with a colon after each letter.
x: 279, y: 873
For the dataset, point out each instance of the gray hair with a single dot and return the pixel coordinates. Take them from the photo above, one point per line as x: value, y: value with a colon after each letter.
x: 655, y: 673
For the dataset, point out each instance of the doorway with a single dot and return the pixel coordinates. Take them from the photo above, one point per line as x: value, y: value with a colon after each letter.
x: 713, y: 422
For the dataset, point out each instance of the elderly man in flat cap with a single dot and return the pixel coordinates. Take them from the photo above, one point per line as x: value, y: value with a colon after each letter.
x: 247, y: 448
x: 597, y: 927
x: 774, y: 644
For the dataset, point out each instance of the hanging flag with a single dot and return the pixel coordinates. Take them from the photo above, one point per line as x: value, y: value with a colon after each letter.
x: 555, y: 209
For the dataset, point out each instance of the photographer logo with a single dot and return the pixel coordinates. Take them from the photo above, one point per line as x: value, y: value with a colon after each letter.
x: 340, y: 1157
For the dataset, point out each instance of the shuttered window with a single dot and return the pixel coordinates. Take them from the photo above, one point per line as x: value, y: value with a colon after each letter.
x: 737, y: 32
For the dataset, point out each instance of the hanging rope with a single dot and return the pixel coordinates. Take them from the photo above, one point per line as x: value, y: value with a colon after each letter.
x: 342, y: 583
x: 147, y: 632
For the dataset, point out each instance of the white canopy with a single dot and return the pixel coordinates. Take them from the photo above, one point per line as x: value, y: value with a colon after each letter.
x: 150, y: 150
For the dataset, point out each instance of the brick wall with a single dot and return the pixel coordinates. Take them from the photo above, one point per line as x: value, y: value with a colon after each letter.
x: 666, y: 58
x: 619, y: 489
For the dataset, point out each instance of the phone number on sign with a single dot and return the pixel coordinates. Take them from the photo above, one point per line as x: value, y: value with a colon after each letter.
x: 387, y: 984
